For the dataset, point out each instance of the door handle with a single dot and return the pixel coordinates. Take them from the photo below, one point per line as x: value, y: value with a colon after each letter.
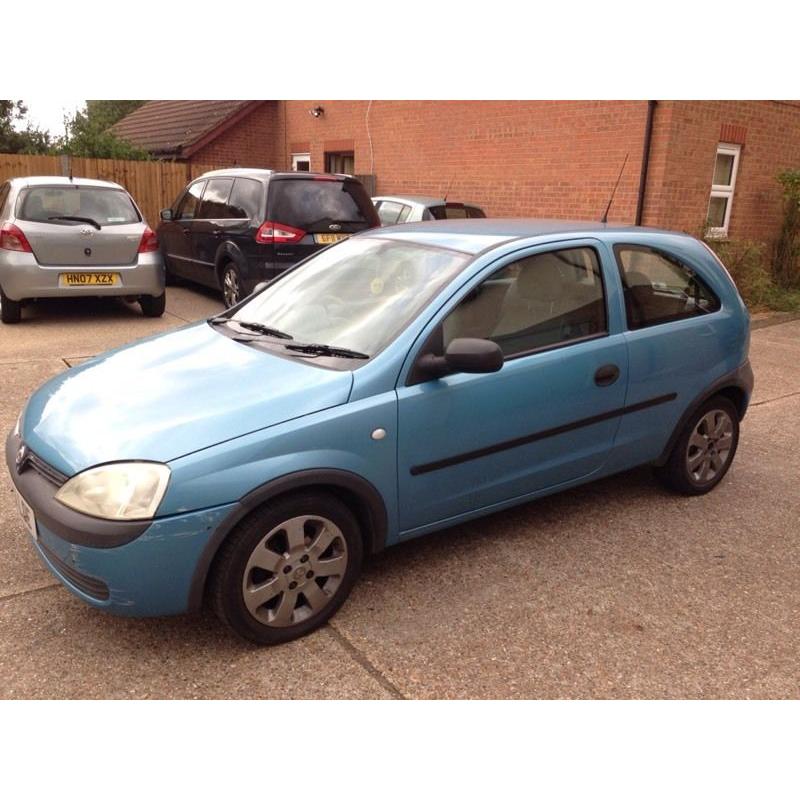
x: 606, y: 375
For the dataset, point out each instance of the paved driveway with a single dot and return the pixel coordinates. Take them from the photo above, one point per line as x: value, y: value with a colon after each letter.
x: 616, y: 589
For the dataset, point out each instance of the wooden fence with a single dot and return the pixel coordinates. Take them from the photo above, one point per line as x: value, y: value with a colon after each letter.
x: 152, y: 184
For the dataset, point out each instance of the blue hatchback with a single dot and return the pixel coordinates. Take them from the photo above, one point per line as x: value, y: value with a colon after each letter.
x: 401, y: 381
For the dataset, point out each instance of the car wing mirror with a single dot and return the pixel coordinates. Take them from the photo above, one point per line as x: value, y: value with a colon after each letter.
x: 464, y: 355
x: 166, y: 214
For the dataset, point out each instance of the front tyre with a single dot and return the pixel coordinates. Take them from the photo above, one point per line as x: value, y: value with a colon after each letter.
x: 705, y: 449
x: 153, y: 306
x: 287, y: 568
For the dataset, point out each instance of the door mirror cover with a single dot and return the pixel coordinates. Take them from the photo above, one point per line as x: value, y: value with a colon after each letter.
x: 166, y: 214
x: 464, y: 355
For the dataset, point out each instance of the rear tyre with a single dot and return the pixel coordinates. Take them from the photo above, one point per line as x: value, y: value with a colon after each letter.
x: 10, y: 310
x: 705, y: 449
x: 153, y: 306
x: 232, y: 287
x: 287, y: 568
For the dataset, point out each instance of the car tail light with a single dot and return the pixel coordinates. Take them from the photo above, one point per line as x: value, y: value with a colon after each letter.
x: 149, y: 243
x: 275, y: 233
x: 12, y: 238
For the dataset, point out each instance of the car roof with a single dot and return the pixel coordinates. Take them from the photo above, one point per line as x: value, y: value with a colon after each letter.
x: 262, y: 174
x: 60, y: 180
x: 422, y: 200
x: 474, y: 235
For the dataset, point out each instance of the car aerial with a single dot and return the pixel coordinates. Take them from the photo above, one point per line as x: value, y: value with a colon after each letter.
x: 395, y: 209
x: 73, y: 237
x: 233, y: 229
x: 396, y: 383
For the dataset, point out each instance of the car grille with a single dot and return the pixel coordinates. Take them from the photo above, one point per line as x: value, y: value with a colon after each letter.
x: 32, y: 461
x: 94, y: 587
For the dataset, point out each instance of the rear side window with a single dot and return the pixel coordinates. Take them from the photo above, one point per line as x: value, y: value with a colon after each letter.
x: 473, y: 212
x: 311, y: 205
x: 4, y: 189
x: 660, y: 288
x: 57, y: 204
x: 214, y: 204
x: 187, y: 207
x: 391, y: 213
x: 245, y: 200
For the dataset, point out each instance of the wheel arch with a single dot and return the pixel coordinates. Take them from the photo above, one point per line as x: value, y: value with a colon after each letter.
x: 363, y: 499
x: 736, y: 386
x: 227, y: 252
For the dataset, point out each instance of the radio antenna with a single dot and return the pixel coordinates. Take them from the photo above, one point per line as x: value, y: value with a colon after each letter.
x: 447, y: 191
x: 604, y: 218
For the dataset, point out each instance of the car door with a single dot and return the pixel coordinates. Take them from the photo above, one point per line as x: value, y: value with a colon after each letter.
x: 547, y: 418
x: 175, y: 235
x: 209, y: 228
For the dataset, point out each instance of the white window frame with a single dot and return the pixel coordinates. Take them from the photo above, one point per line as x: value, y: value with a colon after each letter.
x: 727, y: 192
x: 298, y: 157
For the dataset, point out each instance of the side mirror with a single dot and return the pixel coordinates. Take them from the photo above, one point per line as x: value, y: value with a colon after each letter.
x: 166, y: 214
x: 464, y: 355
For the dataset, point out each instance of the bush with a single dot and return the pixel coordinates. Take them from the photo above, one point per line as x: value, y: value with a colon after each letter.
x: 786, y: 260
x: 748, y: 268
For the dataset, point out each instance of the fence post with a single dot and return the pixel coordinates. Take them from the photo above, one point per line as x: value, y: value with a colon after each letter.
x: 66, y: 165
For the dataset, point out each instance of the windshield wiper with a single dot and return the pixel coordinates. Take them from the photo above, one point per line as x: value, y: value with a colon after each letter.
x: 88, y: 220
x: 326, y: 350
x: 256, y: 327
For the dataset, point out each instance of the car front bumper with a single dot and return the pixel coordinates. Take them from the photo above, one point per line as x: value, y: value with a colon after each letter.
x: 135, y: 569
x: 23, y: 278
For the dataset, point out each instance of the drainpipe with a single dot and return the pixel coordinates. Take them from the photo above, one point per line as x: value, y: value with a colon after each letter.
x: 648, y: 136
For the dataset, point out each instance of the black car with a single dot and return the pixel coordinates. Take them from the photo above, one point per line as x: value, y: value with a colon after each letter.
x: 232, y: 229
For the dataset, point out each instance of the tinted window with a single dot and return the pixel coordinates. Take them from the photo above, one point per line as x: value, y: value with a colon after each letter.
x: 660, y: 288
x: 104, y: 206
x: 313, y: 204
x: 473, y: 212
x: 245, y: 200
x: 453, y: 211
x: 4, y: 189
x: 540, y: 301
x: 187, y: 207
x: 214, y: 204
x: 391, y: 213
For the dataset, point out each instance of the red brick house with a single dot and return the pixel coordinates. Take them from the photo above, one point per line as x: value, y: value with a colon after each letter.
x: 688, y: 161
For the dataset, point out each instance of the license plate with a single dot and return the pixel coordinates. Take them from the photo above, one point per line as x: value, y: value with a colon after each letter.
x: 89, y: 279
x: 329, y: 238
x: 26, y: 512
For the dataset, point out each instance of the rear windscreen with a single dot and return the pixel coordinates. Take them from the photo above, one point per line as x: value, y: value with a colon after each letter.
x: 310, y: 204
x: 456, y: 211
x: 51, y: 203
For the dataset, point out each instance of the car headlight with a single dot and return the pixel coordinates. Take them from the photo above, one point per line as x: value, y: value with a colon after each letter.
x: 124, y: 491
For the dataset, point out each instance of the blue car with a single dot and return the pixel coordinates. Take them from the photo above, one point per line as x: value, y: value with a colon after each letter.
x: 404, y: 380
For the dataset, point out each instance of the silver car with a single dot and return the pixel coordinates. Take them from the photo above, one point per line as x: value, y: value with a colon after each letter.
x: 63, y: 237
x: 394, y: 209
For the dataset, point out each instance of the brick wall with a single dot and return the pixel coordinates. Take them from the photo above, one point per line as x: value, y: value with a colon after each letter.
x: 683, y: 154
x: 255, y: 141
x: 515, y: 158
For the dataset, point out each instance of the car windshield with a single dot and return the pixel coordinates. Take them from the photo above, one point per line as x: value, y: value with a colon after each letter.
x: 56, y: 204
x: 358, y: 294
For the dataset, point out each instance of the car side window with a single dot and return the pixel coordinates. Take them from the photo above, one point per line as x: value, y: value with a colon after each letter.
x: 473, y: 212
x: 187, y: 206
x: 245, y: 199
x: 659, y: 287
x: 541, y: 301
x: 214, y: 204
x: 390, y: 212
x: 4, y: 189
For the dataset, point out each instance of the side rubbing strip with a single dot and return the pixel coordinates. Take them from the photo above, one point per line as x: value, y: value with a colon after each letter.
x: 535, y: 437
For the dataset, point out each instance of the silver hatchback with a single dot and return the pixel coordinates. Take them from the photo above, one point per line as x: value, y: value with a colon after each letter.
x: 63, y: 237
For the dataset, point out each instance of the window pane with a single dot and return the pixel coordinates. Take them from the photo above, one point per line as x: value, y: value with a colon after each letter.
x: 723, y: 169
x: 660, y: 288
x: 104, y: 206
x: 389, y: 212
x: 312, y: 205
x: 188, y: 205
x: 245, y: 199
x: 543, y: 300
x: 215, y: 200
x: 716, y: 212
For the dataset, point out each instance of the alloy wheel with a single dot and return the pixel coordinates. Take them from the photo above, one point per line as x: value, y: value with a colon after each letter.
x: 709, y: 447
x: 294, y: 571
x: 230, y: 287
